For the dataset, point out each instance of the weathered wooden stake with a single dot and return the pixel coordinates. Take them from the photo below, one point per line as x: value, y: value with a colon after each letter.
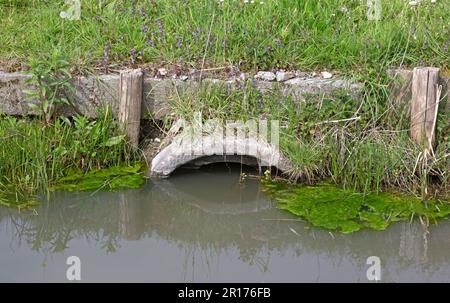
x: 131, y: 91
x: 424, y: 105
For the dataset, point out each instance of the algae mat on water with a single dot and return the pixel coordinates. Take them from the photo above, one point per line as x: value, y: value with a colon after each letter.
x: 112, y: 178
x: 334, y: 208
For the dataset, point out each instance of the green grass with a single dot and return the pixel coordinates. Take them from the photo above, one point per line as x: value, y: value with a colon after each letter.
x: 302, y: 34
x: 34, y: 156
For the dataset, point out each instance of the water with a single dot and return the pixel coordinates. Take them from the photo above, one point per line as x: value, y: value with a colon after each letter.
x: 204, y: 226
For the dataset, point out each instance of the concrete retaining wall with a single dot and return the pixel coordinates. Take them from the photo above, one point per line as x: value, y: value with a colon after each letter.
x: 94, y: 92
x: 98, y: 91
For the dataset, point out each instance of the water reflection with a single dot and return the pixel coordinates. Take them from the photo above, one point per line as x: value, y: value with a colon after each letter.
x: 204, y: 225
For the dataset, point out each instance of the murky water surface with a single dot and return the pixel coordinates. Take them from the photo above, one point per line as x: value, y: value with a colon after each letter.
x: 204, y: 226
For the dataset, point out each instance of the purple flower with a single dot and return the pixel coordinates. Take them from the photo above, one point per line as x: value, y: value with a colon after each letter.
x: 144, y: 28
x: 179, y: 43
x: 150, y: 42
x: 278, y: 43
x: 197, y: 31
x: 106, y: 56
x: 160, y: 27
x: 133, y: 55
x: 106, y: 52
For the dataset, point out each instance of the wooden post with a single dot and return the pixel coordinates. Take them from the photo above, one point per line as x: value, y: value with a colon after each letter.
x: 131, y: 92
x: 424, y: 105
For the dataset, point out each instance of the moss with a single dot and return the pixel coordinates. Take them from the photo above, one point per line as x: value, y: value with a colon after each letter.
x: 334, y: 208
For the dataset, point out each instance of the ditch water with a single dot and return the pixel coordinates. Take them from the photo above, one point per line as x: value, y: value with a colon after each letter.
x: 204, y: 226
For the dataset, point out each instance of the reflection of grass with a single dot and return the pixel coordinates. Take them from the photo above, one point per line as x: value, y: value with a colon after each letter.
x: 334, y: 208
x: 16, y: 195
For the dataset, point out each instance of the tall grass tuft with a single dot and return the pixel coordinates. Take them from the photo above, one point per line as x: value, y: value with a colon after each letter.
x: 33, y: 156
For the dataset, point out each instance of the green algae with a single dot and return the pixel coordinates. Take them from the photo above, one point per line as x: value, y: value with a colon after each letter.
x: 334, y: 208
x: 112, y: 178
x: 109, y: 179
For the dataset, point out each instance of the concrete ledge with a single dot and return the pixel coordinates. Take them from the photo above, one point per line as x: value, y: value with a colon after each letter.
x: 94, y: 92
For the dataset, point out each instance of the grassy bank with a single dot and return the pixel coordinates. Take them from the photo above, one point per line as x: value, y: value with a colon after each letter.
x: 34, y: 157
x: 359, y: 145
x: 362, y: 145
x: 306, y: 35
x: 365, y: 171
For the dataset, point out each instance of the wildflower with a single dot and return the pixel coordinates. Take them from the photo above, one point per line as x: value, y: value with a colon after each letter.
x: 160, y: 27
x: 150, y: 42
x: 133, y: 55
x: 268, y: 48
x: 144, y: 28
x: 278, y: 42
x: 143, y: 12
x: 106, y: 56
x: 179, y: 43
